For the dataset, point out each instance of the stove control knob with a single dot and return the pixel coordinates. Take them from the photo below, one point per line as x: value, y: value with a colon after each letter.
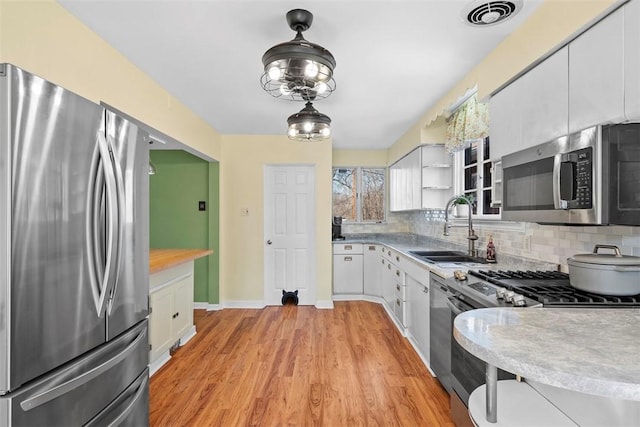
x: 508, y: 296
x: 500, y: 293
x: 518, y: 300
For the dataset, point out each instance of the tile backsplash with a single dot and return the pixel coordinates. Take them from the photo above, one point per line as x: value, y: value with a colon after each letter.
x: 550, y: 243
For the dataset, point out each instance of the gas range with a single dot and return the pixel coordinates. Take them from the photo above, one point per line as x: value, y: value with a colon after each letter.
x: 534, y: 289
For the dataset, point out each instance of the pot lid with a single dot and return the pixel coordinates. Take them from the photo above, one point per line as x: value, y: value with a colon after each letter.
x: 606, y: 259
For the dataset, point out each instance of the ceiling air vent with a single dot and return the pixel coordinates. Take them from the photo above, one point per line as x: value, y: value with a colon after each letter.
x: 484, y: 13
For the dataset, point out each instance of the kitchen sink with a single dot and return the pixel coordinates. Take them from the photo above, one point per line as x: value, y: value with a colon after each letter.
x: 436, y: 257
x: 436, y: 253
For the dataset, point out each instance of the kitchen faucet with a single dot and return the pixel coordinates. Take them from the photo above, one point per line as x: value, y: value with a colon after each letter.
x: 472, y: 237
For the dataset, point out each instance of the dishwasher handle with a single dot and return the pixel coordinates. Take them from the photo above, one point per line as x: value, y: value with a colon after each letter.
x: 457, y: 306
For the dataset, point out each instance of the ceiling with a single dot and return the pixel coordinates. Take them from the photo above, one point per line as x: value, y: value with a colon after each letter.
x: 395, y: 58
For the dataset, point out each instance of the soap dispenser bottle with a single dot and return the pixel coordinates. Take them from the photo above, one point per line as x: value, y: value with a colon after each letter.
x: 491, y: 251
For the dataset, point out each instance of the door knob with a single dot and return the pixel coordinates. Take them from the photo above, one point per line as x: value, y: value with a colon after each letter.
x: 269, y: 242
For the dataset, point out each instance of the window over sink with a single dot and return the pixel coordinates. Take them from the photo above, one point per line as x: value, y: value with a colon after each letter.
x: 359, y: 194
x: 474, y: 175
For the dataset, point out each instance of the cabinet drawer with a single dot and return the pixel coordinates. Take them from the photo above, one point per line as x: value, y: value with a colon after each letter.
x: 392, y: 255
x: 401, y: 291
x: 347, y: 248
x: 399, y: 311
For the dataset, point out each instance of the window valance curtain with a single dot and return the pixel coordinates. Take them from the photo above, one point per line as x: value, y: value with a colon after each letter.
x: 470, y: 121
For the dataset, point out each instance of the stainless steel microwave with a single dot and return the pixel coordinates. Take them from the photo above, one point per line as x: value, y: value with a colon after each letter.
x: 589, y: 177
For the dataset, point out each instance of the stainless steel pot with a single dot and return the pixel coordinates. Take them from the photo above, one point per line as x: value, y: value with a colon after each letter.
x: 605, y: 274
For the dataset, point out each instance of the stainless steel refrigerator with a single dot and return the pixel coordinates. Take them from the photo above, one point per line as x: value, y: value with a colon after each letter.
x: 73, y: 259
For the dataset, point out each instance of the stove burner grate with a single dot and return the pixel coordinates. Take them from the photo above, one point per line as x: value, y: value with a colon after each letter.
x: 552, y: 289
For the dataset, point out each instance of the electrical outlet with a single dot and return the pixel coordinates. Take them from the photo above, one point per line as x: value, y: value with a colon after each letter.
x: 526, y: 243
x: 244, y: 211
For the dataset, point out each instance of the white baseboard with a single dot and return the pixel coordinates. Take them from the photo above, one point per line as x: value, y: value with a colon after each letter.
x: 243, y: 304
x: 358, y: 297
x: 392, y: 317
x: 422, y: 357
x: 322, y: 304
x: 206, y: 306
x: 159, y: 363
x: 190, y: 334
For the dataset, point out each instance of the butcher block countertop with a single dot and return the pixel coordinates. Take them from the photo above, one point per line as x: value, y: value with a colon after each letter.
x: 162, y: 259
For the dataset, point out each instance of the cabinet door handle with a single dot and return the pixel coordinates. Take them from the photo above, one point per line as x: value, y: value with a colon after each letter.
x: 398, y: 273
x: 398, y: 288
x: 348, y: 258
x: 398, y: 302
x: 348, y: 247
x: 382, y: 261
x: 372, y: 248
x: 389, y: 266
x: 425, y: 290
x: 397, y: 258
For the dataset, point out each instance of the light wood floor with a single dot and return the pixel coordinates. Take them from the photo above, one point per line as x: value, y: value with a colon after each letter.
x: 297, y: 365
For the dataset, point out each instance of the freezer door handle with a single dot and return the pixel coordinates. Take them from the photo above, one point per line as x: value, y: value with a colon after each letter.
x: 100, y: 294
x: 119, y: 227
x: 66, y: 387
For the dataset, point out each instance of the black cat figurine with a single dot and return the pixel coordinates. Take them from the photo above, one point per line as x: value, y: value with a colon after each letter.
x: 293, y: 296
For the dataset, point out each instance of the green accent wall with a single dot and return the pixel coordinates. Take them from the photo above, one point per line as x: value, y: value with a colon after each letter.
x: 180, y: 183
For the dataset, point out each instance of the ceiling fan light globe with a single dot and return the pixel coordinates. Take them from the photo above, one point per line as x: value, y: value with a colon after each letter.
x: 320, y: 87
x: 284, y: 89
x: 311, y: 70
x: 274, y: 72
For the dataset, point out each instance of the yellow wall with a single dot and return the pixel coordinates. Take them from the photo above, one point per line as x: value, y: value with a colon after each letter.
x: 242, y: 237
x: 365, y: 158
x: 43, y: 38
x: 548, y: 27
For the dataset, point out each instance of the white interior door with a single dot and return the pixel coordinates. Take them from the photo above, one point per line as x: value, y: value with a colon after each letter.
x: 289, y: 233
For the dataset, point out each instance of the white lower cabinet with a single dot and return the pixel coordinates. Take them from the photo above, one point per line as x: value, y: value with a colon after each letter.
x: 347, y: 269
x: 388, y: 283
x: 372, y: 267
x: 170, y: 311
x: 347, y: 274
x: 418, y: 312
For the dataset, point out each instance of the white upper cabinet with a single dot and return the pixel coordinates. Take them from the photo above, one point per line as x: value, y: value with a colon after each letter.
x: 437, y: 176
x: 421, y: 180
x: 632, y: 60
x: 544, y: 100
x: 405, y: 183
x: 504, y: 128
x: 593, y: 80
x: 533, y: 109
x: 597, y: 75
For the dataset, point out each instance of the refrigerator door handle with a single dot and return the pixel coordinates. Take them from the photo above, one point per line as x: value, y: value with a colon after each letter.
x: 131, y: 405
x: 64, y: 388
x: 100, y: 295
x: 119, y: 229
x: 125, y: 413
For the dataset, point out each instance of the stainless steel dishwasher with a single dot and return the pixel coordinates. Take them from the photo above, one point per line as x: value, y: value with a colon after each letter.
x: 440, y: 330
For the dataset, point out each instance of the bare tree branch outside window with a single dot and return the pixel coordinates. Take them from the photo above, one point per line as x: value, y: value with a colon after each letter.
x: 372, y: 194
x: 345, y: 194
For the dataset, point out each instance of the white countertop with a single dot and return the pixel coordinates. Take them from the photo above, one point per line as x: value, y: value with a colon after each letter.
x: 594, y: 351
x: 405, y: 242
